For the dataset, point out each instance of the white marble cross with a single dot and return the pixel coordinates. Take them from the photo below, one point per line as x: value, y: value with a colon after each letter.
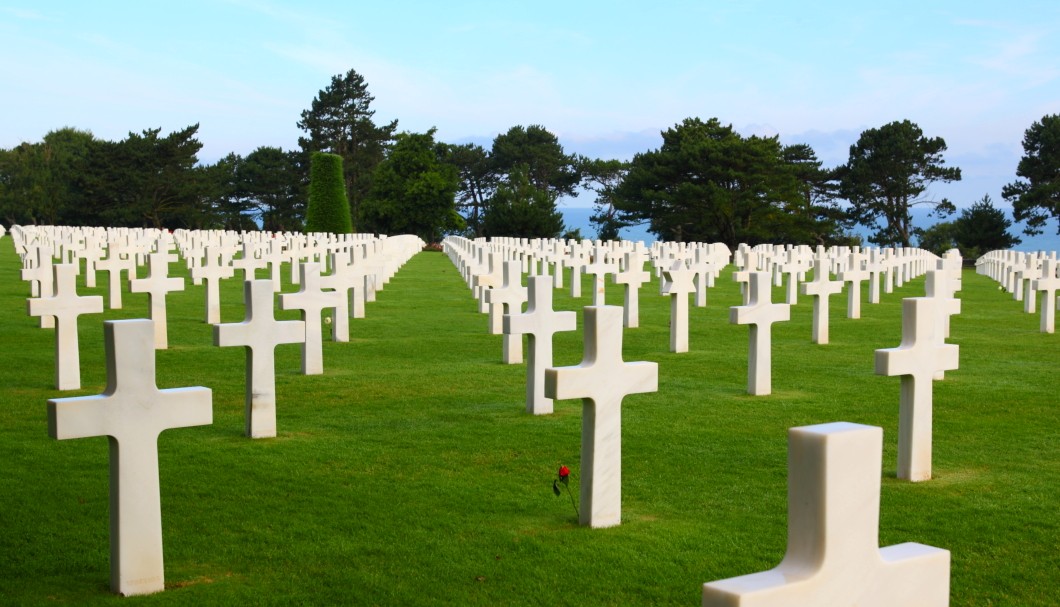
x: 941, y: 286
x: 1048, y: 284
x: 821, y: 288
x: 156, y: 285
x: 509, y: 296
x: 602, y: 380
x: 632, y: 276
x: 679, y: 284
x: 65, y: 306
x: 760, y: 313
x: 41, y: 277
x: 916, y: 360
x: 854, y: 275
x: 260, y: 333
x: 311, y: 300
x: 599, y: 269
x: 743, y: 276
x: 540, y: 322
x: 119, y: 259
x: 834, y: 556
x: 132, y: 412
x: 212, y: 271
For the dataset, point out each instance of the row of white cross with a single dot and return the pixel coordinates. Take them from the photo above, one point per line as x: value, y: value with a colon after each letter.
x: 833, y: 534
x: 132, y: 411
x: 1026, y: 275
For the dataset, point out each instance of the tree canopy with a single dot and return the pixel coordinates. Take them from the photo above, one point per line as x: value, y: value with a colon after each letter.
x: 1036, y: 196
x: 340, y: 122
x: 328, y: 210
x: 889, y: 169
x: 413, y: 190
x: 519, y: 208
x: 708, y: 183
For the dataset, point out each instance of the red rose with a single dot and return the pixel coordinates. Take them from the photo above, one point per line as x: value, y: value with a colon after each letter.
x: 564, y: 472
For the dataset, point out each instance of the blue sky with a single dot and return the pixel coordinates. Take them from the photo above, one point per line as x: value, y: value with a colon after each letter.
x: 605, y: 77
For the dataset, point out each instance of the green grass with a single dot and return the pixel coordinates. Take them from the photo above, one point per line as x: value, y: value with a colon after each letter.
x: 409, y: 474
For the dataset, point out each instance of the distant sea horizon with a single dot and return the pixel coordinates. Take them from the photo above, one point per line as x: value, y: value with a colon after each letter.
x: 578, y: 218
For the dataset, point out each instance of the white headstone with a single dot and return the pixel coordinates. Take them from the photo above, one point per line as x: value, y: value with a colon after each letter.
x: 916, y: 360
x: 156, y: 285
x: 633, y: 275
x: 132, y: 412
x: 212, y: 271
x: 602, y: 380
x: 760, y: 313
x: 540, y: 322
x: 260, y: 333
x: 311, y: 300
x: 1048, y: 284
x: 833, y: 557
x: 65, y: 306
x: 821, y: 288
x: 508, y: 298
x: 679, y: 284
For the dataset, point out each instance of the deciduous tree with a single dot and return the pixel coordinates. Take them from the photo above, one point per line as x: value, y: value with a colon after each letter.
x: 340, y: 122
x: 413, y: 190
x: 889, y: 170
x: 1036, y: 196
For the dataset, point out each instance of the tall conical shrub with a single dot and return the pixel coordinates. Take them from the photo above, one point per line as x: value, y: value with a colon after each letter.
x: 328, y: 209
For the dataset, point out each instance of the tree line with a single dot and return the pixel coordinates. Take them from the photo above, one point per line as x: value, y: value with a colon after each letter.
x: 706, y: 182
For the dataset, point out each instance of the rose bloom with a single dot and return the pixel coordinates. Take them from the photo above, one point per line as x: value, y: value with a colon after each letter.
x: 564, y: 472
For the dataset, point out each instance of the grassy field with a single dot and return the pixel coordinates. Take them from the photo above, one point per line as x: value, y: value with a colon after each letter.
x: 409, y: 474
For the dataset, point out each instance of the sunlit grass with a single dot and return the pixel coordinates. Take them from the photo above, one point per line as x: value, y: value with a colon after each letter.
x: 409, y: 474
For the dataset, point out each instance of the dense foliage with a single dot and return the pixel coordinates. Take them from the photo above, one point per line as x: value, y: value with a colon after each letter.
x: 340, y: 121
x: 1036, y: 196
x: 888, y: 171
x: 708, y: 183
x: 328, y: 209
x: 413, y: 190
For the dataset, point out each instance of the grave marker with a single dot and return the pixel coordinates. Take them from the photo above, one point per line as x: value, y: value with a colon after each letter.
x: 679, y: 284
x: 156, y: 285
x: 760, y: 313
x: 260, y: 333
x: 602, y: 380
x: 65, y: 306
x: 540, y: 322
x: 311, y: 300
x: 821, y: 288
x: 131, y: 413
x: 833, y: 555
x: 916, y: 360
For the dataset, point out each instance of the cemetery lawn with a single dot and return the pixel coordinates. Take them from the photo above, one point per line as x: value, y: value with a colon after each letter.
x: 409, y: 473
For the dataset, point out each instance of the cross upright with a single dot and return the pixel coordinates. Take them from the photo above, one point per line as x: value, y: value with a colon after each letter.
x: 248, y: 262
x: 260, y: 333
x: 540, y: 322
x: 212, y: 271
x: 311, y: 299
x: 633, y: 276
x: 42, y: 279
x: 760, y: 312
x: 342, y: 280
x: 821, y: 288
x: 65, y: 306
x: 602, y: 380
x: 705, y: 267
x: 1048, y: 284
x: 510, y: 296
x: 834, y: 555
x: 916, y: 360
x: 132, y: 412
x: 940, y: 286
x: 679, y: 284
x: 119, y: 259
x: 854, y: 275
x: 599, y: 268
x: 156, y: 285
x: 743, y: 276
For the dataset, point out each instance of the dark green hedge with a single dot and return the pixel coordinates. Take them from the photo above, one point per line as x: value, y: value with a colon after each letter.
x: 328, y: 210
